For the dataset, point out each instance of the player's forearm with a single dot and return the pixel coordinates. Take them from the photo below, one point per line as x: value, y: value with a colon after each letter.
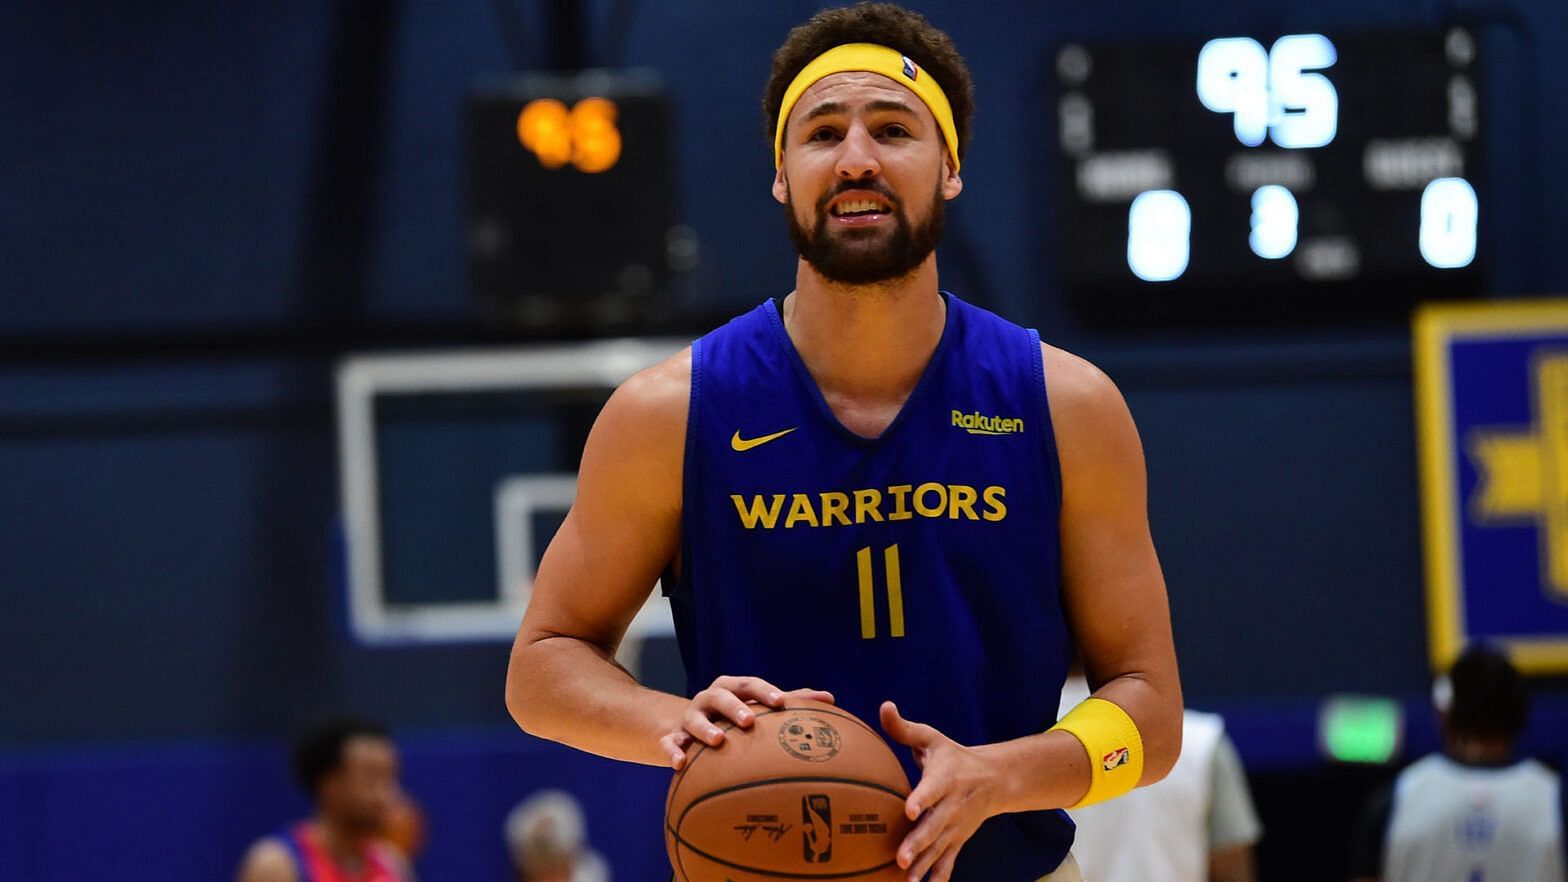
x: 568, y: 690
x: 1045, y: 771
x: 1051, y: 769
x: 1155, y: 704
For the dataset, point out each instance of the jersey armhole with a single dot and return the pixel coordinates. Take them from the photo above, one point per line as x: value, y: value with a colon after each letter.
x: 669, y: 586
x: 1053, y: 464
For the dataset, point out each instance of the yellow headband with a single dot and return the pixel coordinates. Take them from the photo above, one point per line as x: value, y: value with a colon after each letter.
x: 874, y: 59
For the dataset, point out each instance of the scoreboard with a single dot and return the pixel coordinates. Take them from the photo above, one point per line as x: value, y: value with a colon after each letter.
x: 571, y: 200
x: 1250, y: 178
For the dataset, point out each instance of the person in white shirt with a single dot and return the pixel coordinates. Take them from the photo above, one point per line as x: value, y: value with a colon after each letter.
x: 1475, y: 812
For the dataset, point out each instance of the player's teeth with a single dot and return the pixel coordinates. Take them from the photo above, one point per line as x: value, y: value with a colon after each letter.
x: 854, y: 207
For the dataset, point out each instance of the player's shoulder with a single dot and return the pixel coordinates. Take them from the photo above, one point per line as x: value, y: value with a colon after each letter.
x: 1077, y: 388
x: 1097, y: 442
x: 641, y: 432
x: 658, y: 393
x: 268, y: 860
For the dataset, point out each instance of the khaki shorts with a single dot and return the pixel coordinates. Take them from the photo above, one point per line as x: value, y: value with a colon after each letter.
x: 1067, y: 872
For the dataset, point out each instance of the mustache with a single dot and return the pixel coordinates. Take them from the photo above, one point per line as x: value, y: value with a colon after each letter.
x: 876, y: 187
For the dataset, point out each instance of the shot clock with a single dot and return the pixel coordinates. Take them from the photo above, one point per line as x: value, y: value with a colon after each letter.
x: 1245, y: 178
x: 571, y: 199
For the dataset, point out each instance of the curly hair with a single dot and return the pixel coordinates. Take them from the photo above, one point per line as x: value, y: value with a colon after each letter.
x: 884, y: 24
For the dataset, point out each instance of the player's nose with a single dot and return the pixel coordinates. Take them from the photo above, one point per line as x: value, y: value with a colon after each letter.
x: 857, y: 155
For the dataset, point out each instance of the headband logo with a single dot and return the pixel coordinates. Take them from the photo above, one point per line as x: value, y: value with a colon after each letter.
x: 909, y: 68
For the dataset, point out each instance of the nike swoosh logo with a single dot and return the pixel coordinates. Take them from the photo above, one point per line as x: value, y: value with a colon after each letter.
x: 741, y: 445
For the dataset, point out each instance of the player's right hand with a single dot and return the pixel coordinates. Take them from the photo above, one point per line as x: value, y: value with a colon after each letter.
x: 727, y: 700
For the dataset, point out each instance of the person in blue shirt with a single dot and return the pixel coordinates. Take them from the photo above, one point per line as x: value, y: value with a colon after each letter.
x: 874, y: 489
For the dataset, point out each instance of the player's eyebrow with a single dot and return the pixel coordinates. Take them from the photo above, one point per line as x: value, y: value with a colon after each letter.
x: 832, y: 108
x: 886, y: 104
x: 827, y: 108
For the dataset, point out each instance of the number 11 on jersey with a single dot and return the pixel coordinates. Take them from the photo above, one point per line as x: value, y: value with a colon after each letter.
x: 895, y: 593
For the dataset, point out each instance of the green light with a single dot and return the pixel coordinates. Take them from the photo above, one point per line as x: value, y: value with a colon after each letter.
x: 1360, y: 729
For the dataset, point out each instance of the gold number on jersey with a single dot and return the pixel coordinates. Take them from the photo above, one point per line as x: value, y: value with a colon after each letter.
x: 895, y: 593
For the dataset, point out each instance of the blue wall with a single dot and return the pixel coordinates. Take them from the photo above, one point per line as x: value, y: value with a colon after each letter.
x: 203, y: 205
x: 188, y: 810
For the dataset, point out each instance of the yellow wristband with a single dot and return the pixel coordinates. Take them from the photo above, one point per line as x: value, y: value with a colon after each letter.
x: 1114, y: 746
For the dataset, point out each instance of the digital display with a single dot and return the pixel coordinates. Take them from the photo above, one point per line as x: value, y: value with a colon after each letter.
x: 584, y: 136
x: 571, y: 197
x: 1248, y: 178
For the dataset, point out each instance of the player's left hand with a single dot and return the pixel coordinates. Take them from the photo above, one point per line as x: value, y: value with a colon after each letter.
x: 959, y: 788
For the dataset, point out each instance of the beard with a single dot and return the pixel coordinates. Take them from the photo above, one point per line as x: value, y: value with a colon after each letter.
x: 866, y: 256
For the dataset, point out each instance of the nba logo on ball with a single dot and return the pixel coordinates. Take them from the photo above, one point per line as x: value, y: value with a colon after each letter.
x: 1115, y: 758
x: 816, y: 835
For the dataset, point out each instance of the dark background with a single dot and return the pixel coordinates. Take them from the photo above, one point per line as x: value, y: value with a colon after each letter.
x: 204, y: 205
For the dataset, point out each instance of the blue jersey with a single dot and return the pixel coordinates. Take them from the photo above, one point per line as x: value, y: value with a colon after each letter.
x: 922, y: 566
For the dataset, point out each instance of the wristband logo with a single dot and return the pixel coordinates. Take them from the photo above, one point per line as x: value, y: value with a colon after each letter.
x: 1117, y: 757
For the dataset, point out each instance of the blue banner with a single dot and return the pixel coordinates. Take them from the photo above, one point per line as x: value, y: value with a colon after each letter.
x: 1492, y: 424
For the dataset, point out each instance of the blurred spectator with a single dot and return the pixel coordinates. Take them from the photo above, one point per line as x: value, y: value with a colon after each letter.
x: 547, y: 838
x: 405, y: 827
x: 349, y: 768
x: 1198, y: 824
x: 1475, y: 812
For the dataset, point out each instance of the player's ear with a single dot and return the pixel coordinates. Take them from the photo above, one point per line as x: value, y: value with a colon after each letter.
x: 780, y: 186
x: 952, y: 184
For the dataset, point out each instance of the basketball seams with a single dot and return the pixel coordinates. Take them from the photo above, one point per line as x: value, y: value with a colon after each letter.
x: 680, y: 865
x: 793, y: 779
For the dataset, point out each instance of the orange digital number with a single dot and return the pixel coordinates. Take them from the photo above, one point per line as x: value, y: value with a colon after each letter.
x: 585, y: 135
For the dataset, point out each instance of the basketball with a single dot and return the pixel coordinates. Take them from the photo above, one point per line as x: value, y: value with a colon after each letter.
x: 808, y: 792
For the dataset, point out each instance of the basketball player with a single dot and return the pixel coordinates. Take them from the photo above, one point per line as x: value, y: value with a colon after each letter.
x: 873, y: 488
x: 349, y: 770
x: 1475, y: 812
